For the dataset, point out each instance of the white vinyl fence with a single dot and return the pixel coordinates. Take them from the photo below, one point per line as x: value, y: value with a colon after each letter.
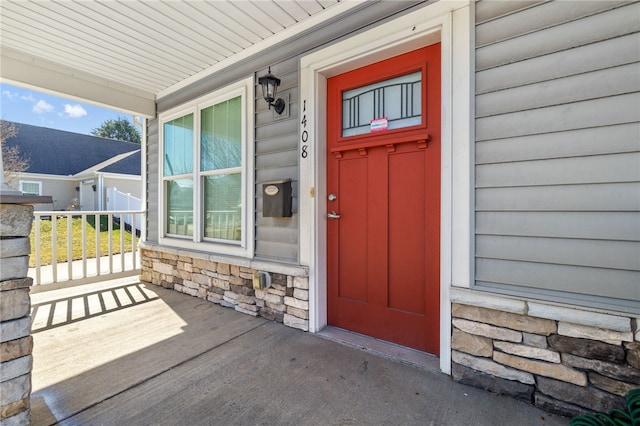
x: 118, y: 201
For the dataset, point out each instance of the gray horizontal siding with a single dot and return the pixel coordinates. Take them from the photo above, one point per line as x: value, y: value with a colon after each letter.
x: 579, y: 115
x: 601, y: 282
x: 276, y: 251
x: 592, y: 197
x: 557, y: 171
x: 277, y: 173
x: 276, y: 158
x: 278, y: 143
x: 269, y: 128
x: 561, y: 251
x: 152, y: 181
x: 278, y: 234
x: 608, y: 53
x: 489, y: 10
x: 534, y: 19
x: 560, y: 171
x: 591, y: 29
x: 570, y: 143
x: 604, y: 82
x: 591, y: 225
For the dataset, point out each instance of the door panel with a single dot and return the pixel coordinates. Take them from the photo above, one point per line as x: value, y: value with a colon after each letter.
x: 406, y: 232
x: 383, y: 241
x: 353, y: 235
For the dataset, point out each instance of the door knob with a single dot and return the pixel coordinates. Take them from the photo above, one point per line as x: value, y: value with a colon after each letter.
x: 333, y: 215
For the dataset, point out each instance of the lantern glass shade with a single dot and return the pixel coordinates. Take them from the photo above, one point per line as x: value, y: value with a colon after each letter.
x: 269, y: 85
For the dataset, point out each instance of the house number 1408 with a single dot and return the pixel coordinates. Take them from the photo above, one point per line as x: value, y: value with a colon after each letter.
x: 304, y: 136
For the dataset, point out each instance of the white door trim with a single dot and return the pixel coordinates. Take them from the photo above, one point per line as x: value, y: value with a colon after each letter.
x: 451, y: 24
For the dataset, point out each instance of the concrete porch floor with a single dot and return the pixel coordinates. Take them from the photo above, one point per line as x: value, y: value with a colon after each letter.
x: 125, y: 352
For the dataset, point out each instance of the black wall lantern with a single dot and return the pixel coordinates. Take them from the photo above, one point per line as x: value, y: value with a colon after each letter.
x: 270, y: 85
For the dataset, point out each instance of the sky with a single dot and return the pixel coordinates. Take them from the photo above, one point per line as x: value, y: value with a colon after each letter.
x: 44, y: 110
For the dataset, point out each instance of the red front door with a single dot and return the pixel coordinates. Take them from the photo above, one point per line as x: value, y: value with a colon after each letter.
x: 383, y: 204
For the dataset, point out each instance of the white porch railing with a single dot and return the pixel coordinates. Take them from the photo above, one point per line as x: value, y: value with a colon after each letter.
x: 86, y: 253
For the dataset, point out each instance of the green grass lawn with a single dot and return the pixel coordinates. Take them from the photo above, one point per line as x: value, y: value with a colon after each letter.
x: 76, y: 240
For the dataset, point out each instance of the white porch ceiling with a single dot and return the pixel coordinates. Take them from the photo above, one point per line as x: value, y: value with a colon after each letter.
x: 126, y: 53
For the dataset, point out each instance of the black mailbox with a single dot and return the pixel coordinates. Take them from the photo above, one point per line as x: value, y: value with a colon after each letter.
x: 276, y: 199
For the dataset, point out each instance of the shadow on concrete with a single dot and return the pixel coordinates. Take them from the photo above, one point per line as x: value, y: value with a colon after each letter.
x: 179, y: 360
x: 64, y: 311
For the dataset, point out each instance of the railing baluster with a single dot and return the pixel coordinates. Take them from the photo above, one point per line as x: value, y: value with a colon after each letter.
x: 122, y: 230
x: 84, y: 245
x: 97, y: 229
x: 54, y: 247
x: 134, y: 238
x: 69, y: 247
x: 110, y: 242
x: 37, y: 244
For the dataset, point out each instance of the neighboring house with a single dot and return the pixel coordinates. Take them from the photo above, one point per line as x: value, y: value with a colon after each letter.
x: 465, y: 180
x: 75, y: 169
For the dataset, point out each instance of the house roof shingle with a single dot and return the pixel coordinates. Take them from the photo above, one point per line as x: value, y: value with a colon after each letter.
x: 130, y: 165
x: 57, y: 152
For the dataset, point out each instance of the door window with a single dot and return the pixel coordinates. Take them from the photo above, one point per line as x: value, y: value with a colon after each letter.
x: 384, y: 105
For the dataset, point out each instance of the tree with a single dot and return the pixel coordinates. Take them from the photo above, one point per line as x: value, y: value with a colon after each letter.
x: 120, y: 129
x: 13, y: 162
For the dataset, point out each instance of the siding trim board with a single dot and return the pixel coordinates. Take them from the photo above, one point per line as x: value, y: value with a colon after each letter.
x: 557, y: 162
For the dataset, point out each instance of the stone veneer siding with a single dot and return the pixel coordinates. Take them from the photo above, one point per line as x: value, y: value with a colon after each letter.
x: 16, y: 343
x: 220, y: 281
x: 560, y: 366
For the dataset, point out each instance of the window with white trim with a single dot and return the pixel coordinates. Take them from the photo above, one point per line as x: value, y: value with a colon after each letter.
x: 207, y: 171
x: 31, y: 187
